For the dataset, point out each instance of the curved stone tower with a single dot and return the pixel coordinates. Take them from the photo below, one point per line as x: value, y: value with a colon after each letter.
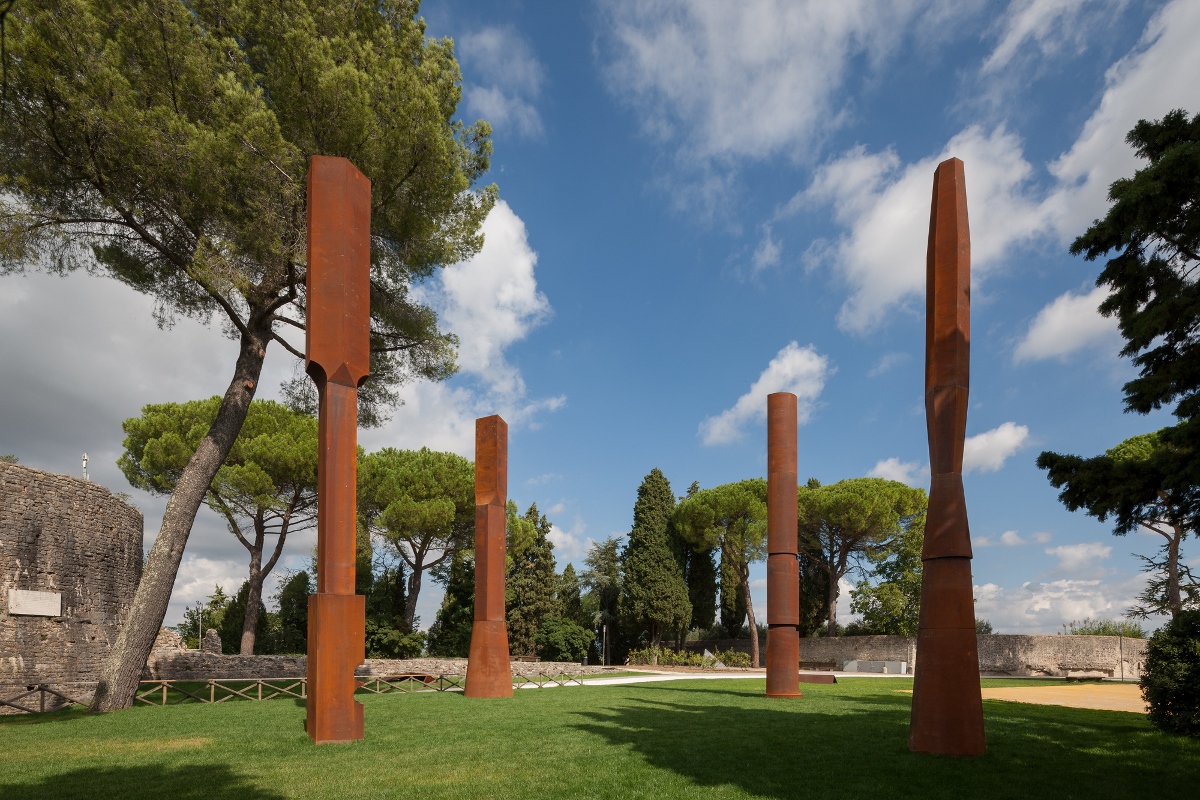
x: 70, y: 561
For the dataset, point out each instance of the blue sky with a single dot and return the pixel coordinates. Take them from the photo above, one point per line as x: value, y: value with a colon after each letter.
x: 704, y: 202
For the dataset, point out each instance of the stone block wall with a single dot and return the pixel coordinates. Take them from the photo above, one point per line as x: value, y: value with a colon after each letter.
x: 195, y: 665
x: 999, y: 654
x: 76, y: 538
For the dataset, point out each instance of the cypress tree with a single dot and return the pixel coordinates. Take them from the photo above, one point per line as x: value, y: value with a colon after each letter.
x: 532, y: 586
x: 733, y: 601
x: 450, y: 634
x: 701, y: 576
x: 702, y: 588
x: 654, y: 595
x: 570, y: 603
x: 293, y: 613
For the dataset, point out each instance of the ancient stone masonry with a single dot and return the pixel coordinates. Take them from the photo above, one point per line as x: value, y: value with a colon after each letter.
x: 192, y: 665
x: 1000, y: 654
x: 67, y: 546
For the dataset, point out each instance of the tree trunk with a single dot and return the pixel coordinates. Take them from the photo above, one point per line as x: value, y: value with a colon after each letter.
x: 254, y: 596
x: 123, y: 668
x: 414, y: 589
x: 833, y: 598
x: 744, y: 569
x: 1173, y: 595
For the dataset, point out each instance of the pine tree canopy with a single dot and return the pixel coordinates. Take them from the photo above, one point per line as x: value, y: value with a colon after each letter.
x: 420, y: 501
x: 1145, y: 482
x: 1153, y: 228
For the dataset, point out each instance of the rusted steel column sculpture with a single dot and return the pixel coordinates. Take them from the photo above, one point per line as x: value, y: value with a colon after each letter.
x: 338, y: 297
x: 947, y: 707
x: 783, y: 572
x: 488, y: 671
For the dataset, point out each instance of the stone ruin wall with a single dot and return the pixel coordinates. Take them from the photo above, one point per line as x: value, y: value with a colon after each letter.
x: 70, y: 536
x: 169, y: 661
x: 999, y: 654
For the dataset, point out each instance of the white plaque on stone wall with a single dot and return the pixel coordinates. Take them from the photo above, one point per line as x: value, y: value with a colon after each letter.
x: 36, y: 604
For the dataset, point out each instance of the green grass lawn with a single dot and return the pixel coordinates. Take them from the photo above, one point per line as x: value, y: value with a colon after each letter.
x: 679, y: 738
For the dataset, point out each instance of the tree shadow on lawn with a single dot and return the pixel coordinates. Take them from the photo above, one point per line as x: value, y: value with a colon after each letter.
x: 151, y: 782
x: 839, y: 746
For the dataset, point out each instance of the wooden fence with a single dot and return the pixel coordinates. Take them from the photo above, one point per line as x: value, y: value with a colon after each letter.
x: 219, y: 690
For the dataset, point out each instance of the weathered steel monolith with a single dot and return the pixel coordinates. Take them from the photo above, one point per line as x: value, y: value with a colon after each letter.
x: 337, y: 297
x: 947, y: 707
x: 488, y: 671
x: 783, y: 571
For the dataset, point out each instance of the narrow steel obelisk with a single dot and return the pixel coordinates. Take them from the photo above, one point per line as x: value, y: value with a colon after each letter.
x: 947, y: 707
x: 338, y: 302
x: 783, y: 571
x: 488, y: 671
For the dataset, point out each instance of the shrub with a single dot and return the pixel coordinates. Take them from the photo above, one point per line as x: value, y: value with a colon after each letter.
x: 669, y: 658
x: 1105, y: 627
x: 733, y: 658
x: 384, y: 641
x: 559, y: 639
x: 1171, y: 677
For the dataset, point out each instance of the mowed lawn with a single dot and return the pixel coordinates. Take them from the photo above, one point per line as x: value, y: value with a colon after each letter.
x: 671, y: 739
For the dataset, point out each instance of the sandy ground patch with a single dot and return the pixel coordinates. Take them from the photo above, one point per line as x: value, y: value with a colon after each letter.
x: 1103, y: 696
x: 1100, y: 696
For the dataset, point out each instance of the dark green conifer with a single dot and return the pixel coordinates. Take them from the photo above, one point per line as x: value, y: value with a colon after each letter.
x: 733, y: 600
x: 532, y: 586
x: 450, y: 634
x: 654, y: 595
x: 702, y: 588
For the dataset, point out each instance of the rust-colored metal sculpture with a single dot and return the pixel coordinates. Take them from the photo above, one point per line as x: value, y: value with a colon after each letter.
x: 947, y: 707
x: 338, y: 298
x: 783, y: 572
x: 488, y: 671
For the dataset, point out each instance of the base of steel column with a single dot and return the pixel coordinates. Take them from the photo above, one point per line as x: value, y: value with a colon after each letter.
x: 783, y: 662
x: 489, y: 673
x: 947, y: 709
x: 336, y: 646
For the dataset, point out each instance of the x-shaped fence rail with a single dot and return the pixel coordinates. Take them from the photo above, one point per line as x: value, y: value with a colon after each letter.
x: 41, y: 690
x: 166, y: 692
x: 162, y: 692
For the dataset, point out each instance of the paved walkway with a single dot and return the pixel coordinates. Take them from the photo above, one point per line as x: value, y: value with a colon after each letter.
x: 652, y: 676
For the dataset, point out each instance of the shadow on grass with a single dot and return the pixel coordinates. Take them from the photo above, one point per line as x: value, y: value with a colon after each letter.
x: 190, y: 782
x: 850, y: 746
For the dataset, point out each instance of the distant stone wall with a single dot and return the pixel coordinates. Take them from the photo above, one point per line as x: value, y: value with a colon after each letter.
x: 70, y: 537
x: 999, y: 654
x: 194, y: 665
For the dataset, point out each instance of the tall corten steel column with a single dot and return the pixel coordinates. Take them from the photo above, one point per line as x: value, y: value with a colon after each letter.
x: 338, y: 297
x: 488, y: 671
x: 947, y: 708
x: 783, y: 572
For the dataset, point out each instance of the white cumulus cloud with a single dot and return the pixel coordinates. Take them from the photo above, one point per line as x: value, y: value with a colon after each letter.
x: 988, y: 451
x: 1043, y: 607
x: 490, y: 302
x: 912, y: 473
x: 799, y: 370
x: 883, y: 203
x: 1073, y: 557
x: 569, y: 544
x: 504, y: 79
x: 884, y: 206
x: 1066, y: 325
